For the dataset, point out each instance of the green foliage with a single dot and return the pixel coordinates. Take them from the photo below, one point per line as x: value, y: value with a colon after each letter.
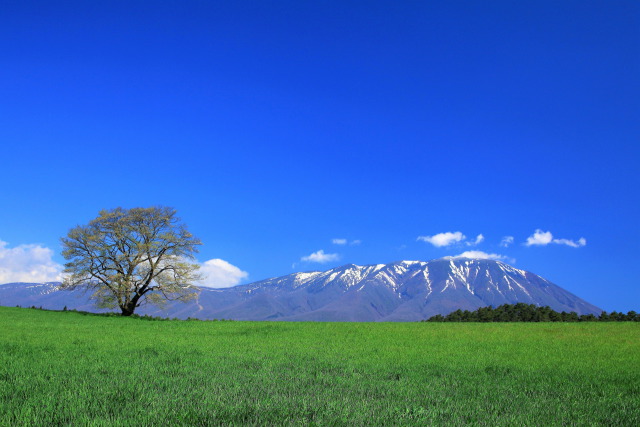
x: 521, y: 312
x: 69, y: 368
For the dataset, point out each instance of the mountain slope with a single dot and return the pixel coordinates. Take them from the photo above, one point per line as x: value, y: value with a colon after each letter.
x: 399, y: 291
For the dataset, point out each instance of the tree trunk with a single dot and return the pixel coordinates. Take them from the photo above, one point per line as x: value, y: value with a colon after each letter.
x: 128, y: 309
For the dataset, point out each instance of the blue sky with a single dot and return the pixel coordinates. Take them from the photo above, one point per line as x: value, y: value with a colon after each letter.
x: 274, y: 129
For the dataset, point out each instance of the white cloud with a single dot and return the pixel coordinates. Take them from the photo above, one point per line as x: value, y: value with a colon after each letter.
x: 33, y: 263
x: 506, y: 241
x: 581, y: 242
x: 320, y: 257
x: 479, y: 239
x: 543, y: 238
x: 443, y: 239
x: 482, y: 255
x: 343, y: 242
x: 218, y: 273
x: 28, y: 263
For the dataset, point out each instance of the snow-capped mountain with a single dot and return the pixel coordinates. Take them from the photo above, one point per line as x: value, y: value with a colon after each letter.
x: 399, y: 291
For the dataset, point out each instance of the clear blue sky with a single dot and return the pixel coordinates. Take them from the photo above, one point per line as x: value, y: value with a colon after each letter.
x: 275, y: 127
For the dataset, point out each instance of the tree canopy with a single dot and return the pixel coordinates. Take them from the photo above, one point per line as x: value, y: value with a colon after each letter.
x: 129, y: 257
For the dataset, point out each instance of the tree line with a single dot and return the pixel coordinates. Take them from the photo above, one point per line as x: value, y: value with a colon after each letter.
x: 521, y: 312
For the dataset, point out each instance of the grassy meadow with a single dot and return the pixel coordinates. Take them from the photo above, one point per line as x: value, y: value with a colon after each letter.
x: 59, y: 368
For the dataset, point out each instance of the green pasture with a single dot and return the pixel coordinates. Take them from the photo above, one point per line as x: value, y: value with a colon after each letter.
x: 61, y: 368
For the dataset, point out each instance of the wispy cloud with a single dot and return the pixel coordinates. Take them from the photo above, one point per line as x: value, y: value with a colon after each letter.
x: 443, y: 239
x: 543, y: 238
x: 343, y: 242
x: 482, y: 255
x: 574, y: 244
x: 320, y: 257
x: 218, y: 273
x: 479, y: 239
x: 506, y: 241
x: 28, y: 263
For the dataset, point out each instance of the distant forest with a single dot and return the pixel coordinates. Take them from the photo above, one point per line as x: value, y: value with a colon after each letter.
x: 529, y: 313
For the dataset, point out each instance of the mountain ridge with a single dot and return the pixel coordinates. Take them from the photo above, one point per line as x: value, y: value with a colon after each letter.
x: 398, y: 291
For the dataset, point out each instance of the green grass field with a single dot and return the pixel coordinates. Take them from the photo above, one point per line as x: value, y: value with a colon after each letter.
x: 68, y: 368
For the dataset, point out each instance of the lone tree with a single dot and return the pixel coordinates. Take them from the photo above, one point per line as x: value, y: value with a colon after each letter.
x: 128, y: 257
